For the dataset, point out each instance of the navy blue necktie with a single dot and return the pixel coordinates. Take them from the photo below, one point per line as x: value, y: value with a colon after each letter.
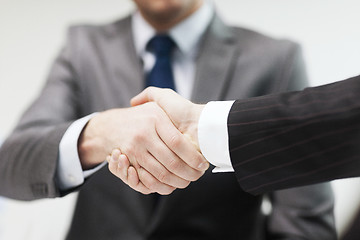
x: 161, y: 75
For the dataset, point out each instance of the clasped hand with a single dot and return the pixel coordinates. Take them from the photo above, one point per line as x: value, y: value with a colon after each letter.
x: 152, y: 146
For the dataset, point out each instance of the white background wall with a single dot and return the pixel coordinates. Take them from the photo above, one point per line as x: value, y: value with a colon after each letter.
x: 32, y: 32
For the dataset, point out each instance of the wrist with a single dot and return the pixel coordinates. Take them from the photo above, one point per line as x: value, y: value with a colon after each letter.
x: 90, y: 144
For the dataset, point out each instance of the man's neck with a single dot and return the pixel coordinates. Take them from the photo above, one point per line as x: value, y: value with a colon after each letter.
x: 164, y: 24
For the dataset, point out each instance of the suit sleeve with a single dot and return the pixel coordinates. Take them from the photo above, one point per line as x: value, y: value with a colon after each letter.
x: 305, y: 212
x: 28, y: 158
x: 296, y: 138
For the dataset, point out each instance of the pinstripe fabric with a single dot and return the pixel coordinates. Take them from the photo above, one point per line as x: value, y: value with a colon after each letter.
x: 297, y: 138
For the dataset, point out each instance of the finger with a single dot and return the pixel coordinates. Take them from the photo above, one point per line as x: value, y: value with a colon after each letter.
x: 152, y: 183
x: 174, y: 165
x: 159, y: 171
x: 174, y: 139
x: 192, y: 141
x: 123, y: 166
x: 119, y: 165
x: 133, y: 177
x: 135, y: 183
x: 140, y: 179
x: 181, y: 145
x: 153, y: 94
x: 143, y: 97
x: 125, y: 171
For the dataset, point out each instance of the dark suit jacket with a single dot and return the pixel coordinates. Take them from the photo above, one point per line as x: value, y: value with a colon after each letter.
x: 99, y: 70
x: 296, y: 138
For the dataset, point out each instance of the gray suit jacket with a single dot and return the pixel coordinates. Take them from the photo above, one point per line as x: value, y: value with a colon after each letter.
x: 98, y: 70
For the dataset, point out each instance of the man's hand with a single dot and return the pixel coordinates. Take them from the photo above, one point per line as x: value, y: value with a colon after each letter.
x: 163, y: 157
x: 120, y: 166
x: 183, y: 113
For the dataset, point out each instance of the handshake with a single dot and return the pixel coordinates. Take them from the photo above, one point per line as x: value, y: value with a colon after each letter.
x: 152, y: 146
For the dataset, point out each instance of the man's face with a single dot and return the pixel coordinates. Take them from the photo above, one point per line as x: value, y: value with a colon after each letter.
x: 166, y: 10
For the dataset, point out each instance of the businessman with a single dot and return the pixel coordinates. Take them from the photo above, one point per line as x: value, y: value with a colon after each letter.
x: 82, y: 114
x: 275, y: 141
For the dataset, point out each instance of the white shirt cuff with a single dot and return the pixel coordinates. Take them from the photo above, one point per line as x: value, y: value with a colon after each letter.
x: 213, y: 135
x: 69, y: 173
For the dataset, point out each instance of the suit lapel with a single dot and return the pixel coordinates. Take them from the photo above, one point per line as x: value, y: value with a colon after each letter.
x: 124, y: 65
x: 215, y: 63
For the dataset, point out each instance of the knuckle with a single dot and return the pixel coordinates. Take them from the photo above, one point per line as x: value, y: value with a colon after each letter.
x: 163, y: 176
x: 129, y: 151
x: 175, y: 141
x: 174, y: 165
x: 139, y: 137
x: 167, y: 90
x: 151, y: 183
x: 144, y: 161
x: 151, y: 105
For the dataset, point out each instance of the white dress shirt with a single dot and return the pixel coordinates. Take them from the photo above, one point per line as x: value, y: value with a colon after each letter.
x: 213, y: 135
x: 69, y: 173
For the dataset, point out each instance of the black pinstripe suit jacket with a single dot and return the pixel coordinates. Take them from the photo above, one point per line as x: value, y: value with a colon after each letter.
x: 297, y: 138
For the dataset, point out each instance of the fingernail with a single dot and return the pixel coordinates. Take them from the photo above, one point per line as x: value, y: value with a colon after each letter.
x: 116, y: 152
x: 122, y: 159
x: 114, y: 158
x: 203, y: 166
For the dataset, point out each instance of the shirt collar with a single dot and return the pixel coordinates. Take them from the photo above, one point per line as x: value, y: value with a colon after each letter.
x: 192, y: 27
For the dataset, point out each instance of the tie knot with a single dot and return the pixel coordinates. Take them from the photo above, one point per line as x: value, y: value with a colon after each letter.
x: 161, y: 45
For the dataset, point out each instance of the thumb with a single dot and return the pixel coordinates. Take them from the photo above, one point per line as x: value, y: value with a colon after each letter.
x: 143, y: 97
